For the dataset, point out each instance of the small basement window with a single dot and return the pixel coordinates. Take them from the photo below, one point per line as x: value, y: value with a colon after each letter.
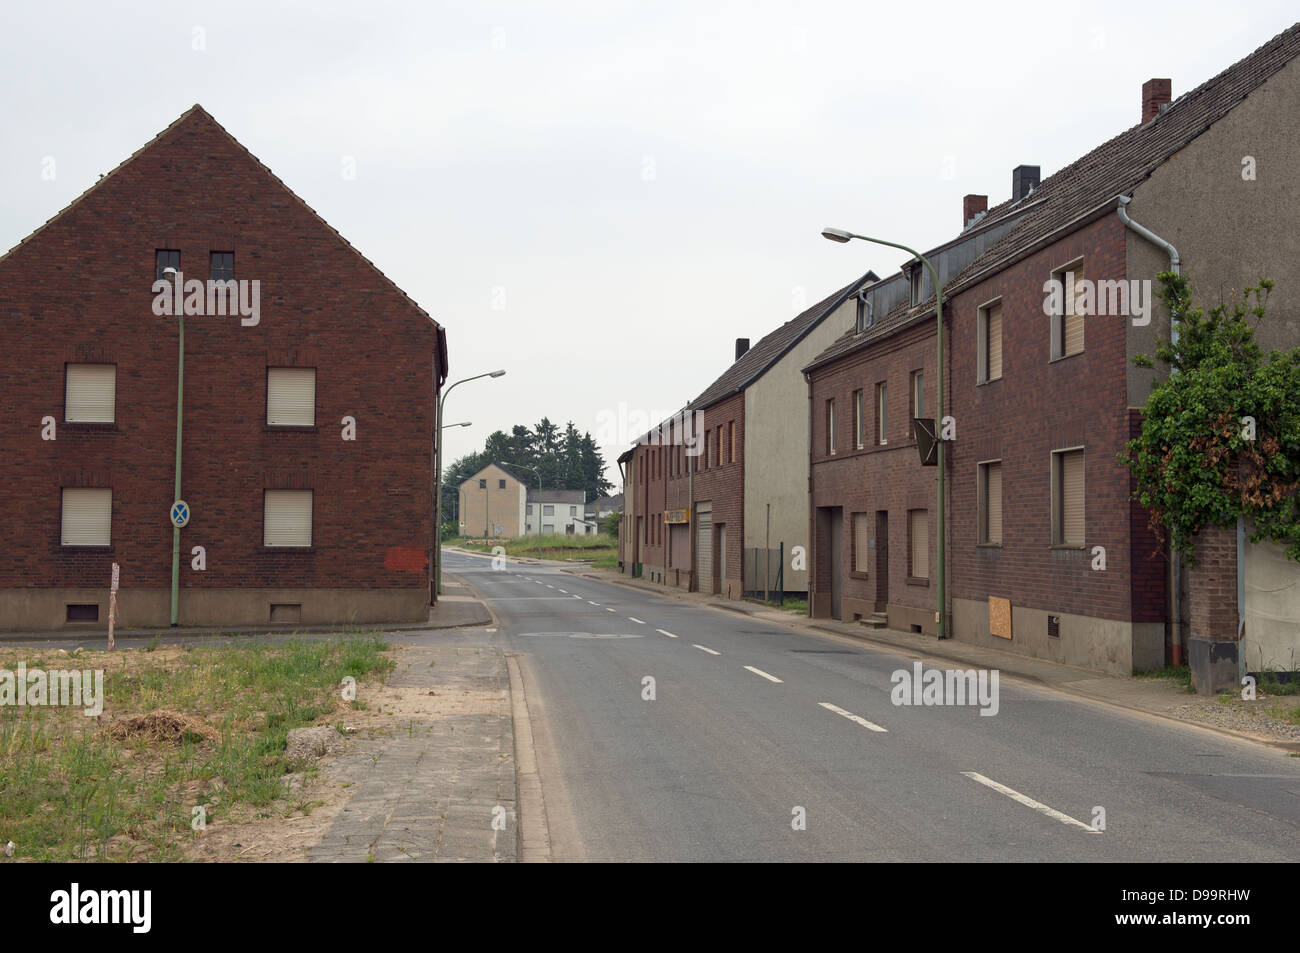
x: 83, y: 612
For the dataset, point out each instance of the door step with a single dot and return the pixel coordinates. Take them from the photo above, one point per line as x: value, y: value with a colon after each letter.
x: 877, y: 620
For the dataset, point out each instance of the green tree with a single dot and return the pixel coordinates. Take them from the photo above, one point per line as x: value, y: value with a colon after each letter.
x: 1221, y: 436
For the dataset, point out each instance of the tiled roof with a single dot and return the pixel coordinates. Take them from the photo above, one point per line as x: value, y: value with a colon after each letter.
x: 559, y: 496
x: 756, y: 361
x: 1114, y: 168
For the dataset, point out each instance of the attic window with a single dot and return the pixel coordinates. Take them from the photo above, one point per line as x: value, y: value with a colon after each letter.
x: 915, y: 277
x: 864, y: 312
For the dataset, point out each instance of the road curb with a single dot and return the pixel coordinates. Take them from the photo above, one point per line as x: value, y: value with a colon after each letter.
x: 534, y: 832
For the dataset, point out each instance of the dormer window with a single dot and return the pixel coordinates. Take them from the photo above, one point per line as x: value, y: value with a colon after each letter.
x: 864, y: 312
x: 915, y: 277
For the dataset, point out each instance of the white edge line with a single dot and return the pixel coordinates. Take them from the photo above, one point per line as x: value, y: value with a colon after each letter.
x: 858, y: 719
x: 1038, y: 806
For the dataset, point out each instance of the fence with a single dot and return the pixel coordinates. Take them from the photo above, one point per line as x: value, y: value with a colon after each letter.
x: 763, y: 573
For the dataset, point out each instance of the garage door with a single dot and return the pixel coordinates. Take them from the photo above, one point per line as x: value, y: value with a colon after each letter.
x: 704, y: 546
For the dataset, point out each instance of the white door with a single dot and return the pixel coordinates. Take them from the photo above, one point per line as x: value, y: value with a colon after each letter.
x: 704, y: 547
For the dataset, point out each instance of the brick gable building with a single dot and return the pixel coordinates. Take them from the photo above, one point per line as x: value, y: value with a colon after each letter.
x: 308, y: 428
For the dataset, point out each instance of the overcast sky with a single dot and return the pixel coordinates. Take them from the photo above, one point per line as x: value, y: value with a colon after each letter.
x: 601, y: 196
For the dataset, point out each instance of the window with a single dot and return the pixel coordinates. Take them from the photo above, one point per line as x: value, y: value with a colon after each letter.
x: 918, y: 544
x: 501, y: 484
x: 882, y: 414
x: 859, y: 425
x: 291, y: 396
x: 573, y: 511
x: 548, y: 528
x: 916, y: 397
x: 915, y: 279
x: 864, y: 311
x: 861, y: 541
x: 223, y: 265
x: 989, y: 345
x: 286, y: 517
x: 731, y: 434
x: 705, y: 454
x: 89, y: 393
x: 1067, y: 498
x: 530, y: 509
x: 830, y: 425
x: 548, y: 510
x: 1067, y: 328
x: 166, y: 258
x: 87, y: 517
x: 990, y: 503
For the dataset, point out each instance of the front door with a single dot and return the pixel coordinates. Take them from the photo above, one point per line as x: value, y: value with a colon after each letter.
x: 720, y: 563
x: 836, y: 555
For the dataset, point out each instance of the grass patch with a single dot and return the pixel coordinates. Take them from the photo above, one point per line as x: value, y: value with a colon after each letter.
x: 1180, y: 675
x: 601, y: 549
x: 796, y: 606
x: 105, y: 789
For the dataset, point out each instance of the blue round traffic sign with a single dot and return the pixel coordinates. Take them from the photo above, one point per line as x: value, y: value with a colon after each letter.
x: 180, y: 513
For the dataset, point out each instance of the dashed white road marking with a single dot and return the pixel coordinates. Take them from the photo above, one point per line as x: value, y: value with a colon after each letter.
x: 489, y: 630
x: 763, y: 674
x: 579, y: 598
x: 636, y: 620
x: 705, y: 648
x: 609, y: 610
x: 1038, y: 806
x: 549, y: 586
x: 590, y: 603
x: 852, y: 717
x: 666, y: 632
x: 565, y: 591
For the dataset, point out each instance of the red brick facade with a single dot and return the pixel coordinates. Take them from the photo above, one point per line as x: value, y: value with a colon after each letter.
x: 1212, y: 586
x: 79, y: 291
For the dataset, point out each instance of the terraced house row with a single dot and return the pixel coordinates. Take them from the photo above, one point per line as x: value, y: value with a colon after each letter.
x: 1046, y: 299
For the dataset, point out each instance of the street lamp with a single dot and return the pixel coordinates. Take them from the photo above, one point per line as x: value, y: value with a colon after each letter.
x: 840, y: 235
x: 437, y: 483
x: 462, y: 424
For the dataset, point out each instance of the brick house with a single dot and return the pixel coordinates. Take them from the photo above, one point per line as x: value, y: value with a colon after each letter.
x: 308, y: 420
x: 690, y: 505
x: 1044, y: 397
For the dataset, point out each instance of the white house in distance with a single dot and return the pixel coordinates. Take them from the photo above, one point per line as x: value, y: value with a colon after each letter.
x: 563, y: 512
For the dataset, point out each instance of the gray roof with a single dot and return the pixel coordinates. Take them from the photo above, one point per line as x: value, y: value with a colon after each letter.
x: 1074, y: 195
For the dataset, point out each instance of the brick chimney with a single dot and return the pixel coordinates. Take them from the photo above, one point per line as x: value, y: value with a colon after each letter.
x: 742, y: 345
x: 1156, y: 94
x: 972, y: 205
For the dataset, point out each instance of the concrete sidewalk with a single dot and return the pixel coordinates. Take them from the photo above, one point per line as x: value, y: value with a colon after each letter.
x: 1153, y: 696
x: 457, y: 608
x: 440, y: 785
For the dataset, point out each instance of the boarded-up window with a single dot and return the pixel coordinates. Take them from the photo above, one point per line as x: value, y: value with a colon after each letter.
x: 990, y: 497
x: 87, y: 517
x: 916, y: 395
x: 830, y: 425
x: 918, y: 532
x: 291, y: 396
x: 90, y: 393
x: 1068, y: 497
x: 861, y: 541
x: 286, y: 519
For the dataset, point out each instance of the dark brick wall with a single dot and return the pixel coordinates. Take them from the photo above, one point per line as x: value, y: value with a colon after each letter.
x: 874, y: 478
x: 724, y: 485
x: 1038, y: 406
x: 80, y: 291
x: 1212, y: 585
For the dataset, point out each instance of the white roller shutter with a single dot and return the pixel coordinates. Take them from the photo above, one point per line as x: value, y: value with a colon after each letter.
x: 920, y: 543
x: 90, y: 393
x: 287, y: 518
x: 1074, y: 322
x: 291, y: 396
x: 87, y: 517
x: 704, y: 547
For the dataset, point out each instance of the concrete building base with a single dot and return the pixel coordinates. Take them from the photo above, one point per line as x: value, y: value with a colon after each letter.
x: 1213, y: 665
x: 47, y: 609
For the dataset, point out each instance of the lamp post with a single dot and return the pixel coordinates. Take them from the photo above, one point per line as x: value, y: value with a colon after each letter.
x: 840, y: 235
x: 437, y: 482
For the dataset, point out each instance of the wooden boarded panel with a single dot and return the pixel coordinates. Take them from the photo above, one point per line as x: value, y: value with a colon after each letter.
x: 1000, y: 617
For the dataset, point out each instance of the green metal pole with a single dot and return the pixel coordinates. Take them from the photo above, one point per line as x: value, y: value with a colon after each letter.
x: 180, y: 416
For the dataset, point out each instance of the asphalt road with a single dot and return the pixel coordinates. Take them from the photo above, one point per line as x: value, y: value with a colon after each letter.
x: 753, y: 725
